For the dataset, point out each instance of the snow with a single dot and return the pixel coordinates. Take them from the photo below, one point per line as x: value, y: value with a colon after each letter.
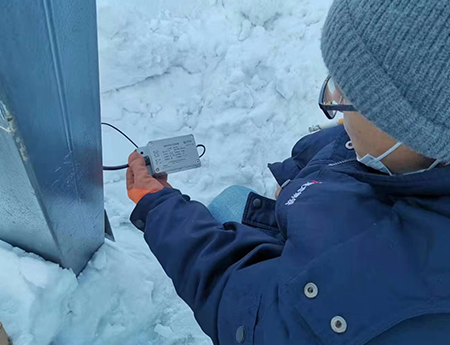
x: 34, y: 296
x: 243, y: 76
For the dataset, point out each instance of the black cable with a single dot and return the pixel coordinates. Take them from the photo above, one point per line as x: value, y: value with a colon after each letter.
x: 204, y: 150
x: 119, y: 167
x: 118, y: 130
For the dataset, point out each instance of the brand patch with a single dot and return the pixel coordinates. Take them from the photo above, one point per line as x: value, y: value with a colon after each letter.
x: 299, y: 192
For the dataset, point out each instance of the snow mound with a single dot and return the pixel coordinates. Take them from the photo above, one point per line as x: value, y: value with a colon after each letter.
x: 34, y: 296
x: 124, y: 297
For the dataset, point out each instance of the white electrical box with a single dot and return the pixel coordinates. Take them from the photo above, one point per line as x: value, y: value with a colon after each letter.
x: 172, y: 155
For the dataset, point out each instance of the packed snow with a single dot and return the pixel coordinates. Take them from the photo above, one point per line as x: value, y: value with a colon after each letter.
x: 243, y: 76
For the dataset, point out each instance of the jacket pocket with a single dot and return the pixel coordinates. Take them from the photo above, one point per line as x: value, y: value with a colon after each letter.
x: 237, y: 319
x: 362, y: 288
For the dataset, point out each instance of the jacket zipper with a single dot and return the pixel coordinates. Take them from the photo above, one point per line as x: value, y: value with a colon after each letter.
x: 341, y: 162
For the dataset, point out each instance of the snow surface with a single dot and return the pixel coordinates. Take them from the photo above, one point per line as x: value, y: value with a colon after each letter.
x: 243, y: 76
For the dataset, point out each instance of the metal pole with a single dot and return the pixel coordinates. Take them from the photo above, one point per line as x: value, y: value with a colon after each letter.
x: 51, y: 182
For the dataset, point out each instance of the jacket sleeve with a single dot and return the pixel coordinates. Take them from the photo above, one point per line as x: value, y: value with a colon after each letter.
x: 302, y: 153
x: 200, y: 254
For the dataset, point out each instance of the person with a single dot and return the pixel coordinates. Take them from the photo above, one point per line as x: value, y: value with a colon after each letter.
x: 355, y: 250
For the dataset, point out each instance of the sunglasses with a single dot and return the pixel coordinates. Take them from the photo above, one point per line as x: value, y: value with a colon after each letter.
x: 332, y: 99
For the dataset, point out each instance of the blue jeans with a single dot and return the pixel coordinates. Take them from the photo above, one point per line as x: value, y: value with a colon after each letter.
x: 229, y: 206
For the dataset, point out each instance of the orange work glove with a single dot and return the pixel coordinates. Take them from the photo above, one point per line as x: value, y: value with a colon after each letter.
x: 139, y: 181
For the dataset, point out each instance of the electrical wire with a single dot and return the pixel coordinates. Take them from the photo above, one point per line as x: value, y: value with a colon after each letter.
x: 204, y: 150
x: 118, y: 130
x: 118, y: 167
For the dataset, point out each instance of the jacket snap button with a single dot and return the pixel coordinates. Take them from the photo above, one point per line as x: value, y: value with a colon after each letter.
x: 241, y: 334
x: 349, y: 145
x: 257, y: 203
x: 338, y: 324
x: 311, y: 290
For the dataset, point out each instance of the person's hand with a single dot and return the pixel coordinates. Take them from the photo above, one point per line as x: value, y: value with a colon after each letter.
x: 139, y: 181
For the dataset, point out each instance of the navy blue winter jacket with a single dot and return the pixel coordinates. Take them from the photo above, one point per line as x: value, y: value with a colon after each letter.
x: 346, y: 255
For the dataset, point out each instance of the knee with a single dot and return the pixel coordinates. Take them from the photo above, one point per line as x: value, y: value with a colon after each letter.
x: 233, y: 194
x: 236, y: 190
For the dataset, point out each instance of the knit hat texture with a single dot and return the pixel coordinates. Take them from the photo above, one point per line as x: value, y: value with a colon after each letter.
x: 391, y: 58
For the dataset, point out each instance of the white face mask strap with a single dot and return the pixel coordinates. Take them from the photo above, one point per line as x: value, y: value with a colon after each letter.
x: 435, y: 164
x: 388, y: 152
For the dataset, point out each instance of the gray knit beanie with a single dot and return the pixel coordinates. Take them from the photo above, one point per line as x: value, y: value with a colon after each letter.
x: 391, y: 58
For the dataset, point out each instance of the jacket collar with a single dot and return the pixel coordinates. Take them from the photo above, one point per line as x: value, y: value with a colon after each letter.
x: 435, y: 182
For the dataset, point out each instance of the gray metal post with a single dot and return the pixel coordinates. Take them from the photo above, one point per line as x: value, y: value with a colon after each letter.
x: 51, y: 182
